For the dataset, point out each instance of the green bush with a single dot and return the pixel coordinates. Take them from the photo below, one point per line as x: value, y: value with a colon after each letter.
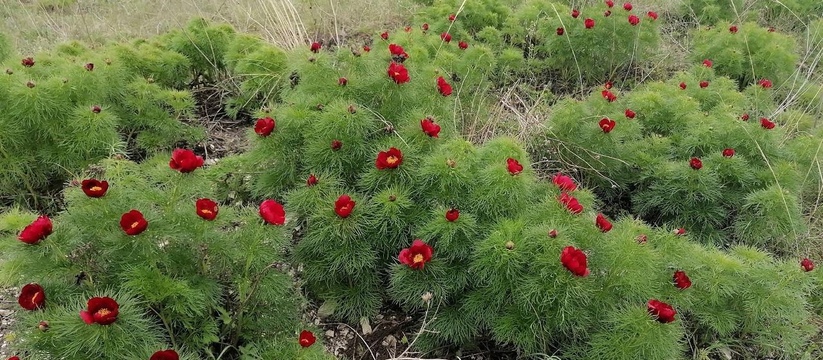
x: 204, y: 288
x: 782, y: 13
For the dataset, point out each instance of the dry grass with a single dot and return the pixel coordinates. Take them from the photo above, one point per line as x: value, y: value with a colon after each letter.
x: 287, y: 23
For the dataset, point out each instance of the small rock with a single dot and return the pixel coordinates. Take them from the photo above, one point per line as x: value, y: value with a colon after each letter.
x: 365, y: 326
x: 329, y: 333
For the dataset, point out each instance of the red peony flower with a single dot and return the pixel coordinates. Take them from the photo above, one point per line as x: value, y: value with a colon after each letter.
x: 707, y: 63
x: 366, y: 48
x: 681, y: 280
x: 607, y: 125
x: 733, y: 29
x: 652, y: 15
x: 425, y: 27
x: 336, y: 145
x: 32, y: 297
x: 430, y: 127
x: 133, y: 222
x: 704, y: 84
x: 385, y: 35
x: 417, y: 255
x: 630, y: 114
x: 744, y: 117
x: 315, y: 47
x: 807, y: 265
x: 398, y: 73
x: 390, y: 159
x: 553, y: 233
x: 396, y: 50
x: 444, y: 87
x: 571, y: 203
x: 28, y: 62
x: 627, y: 6
x: 206, y: 209
x: 344, y: 206
x: 94, y: 188
x: 766, y: 123
x: 663, y: 312
x: 342, y: 81
x: 165, y: 355
x: 463, y: 45
x: 96, y: 109
x: 608, y: 95
x: 38, y: 230
x: 680, y: 231
x: 610, y: 3
x: 575, y: 13
x: 452, y: 215
x: 514, y: 166
x: 14, y: 358
x: 728, y: 152
x: 634, y: 20
x: 682, y: 86
x: 311, y: 181
x: 564, y: 182
x: 452, y: 17
x: 695, y: 163
x: 446, y: 37
x: 607, y: 13
x: 602, y: 223
x: 575, y: 261
x: 100, y: 310
x: 306, y: 338
x: 264, y: 126
x: 765, y: 83
x: 185, y: 161
x: 272, y: 212
x: 560, y: 31
x: 588, y: 23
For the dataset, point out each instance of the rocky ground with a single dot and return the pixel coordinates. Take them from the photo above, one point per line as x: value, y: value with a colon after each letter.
x: 7, y: 304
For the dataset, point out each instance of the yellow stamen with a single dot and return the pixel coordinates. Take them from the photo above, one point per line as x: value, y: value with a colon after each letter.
x: 34, y: 298
x: 103, y: 312
x: 391, y: 160
x: 206, y: 211
x: 418, y: 258
x: 134, y: 224
x: 95, y: 188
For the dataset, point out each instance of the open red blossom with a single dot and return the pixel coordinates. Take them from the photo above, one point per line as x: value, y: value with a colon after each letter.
x: 417, y: 255
x: 602, y: 223
x: 336, y: 145
x: 389, y: 159
x: 425, y: 27
x: 766, y: 123
x: 807, y: 265
x: 733, y: 29
x: 575, y: 261
x: 452, y: 215
x: 630, y: 114
x: 652, y: 15
x: 560, y: 31
x: 38, y: 230
x: 396, y: 50
x: 264, y: 126
x: 571, y: 203
x: 398, y: 73
x: 133, y: 222
x: 14, y: 358
x: 384, y: 35
x: 663, y: 312
x: 206, y: 209
x: 443, y: 86
x: 366, y: 48
x: 627, y: 6
x: 728, y: 152
x: 608, y: 95
x: 696, y: 163
x: 169, y: 354
x: 765, y: 83
x: 272, y: 212
x: 610, y: 3
x: 682, y: 86
x: 315, y: 47
x: 704, y: 84
x: 634, y: 20
x: 680, y: 231
x: 707, y: 63
x: 607, y: 125
x: 32, y: 297
x: 94, y: 188
x: 344, y: 206
x: 342, y: 81
x: 681, y: 280
x: 306, y: 338
x: 463, y: 45
x: 185, y: 161
x: 100, y: 310
x: 575, y: 13
x: 28, y: 62
x: 588, y: 23
x: 744, y: 117
x: 513, y: 166
x: 565, y: 183
x: 452, y: 17
x: 312, y: 180
x: 430, y: 127
x: 446, y: 37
